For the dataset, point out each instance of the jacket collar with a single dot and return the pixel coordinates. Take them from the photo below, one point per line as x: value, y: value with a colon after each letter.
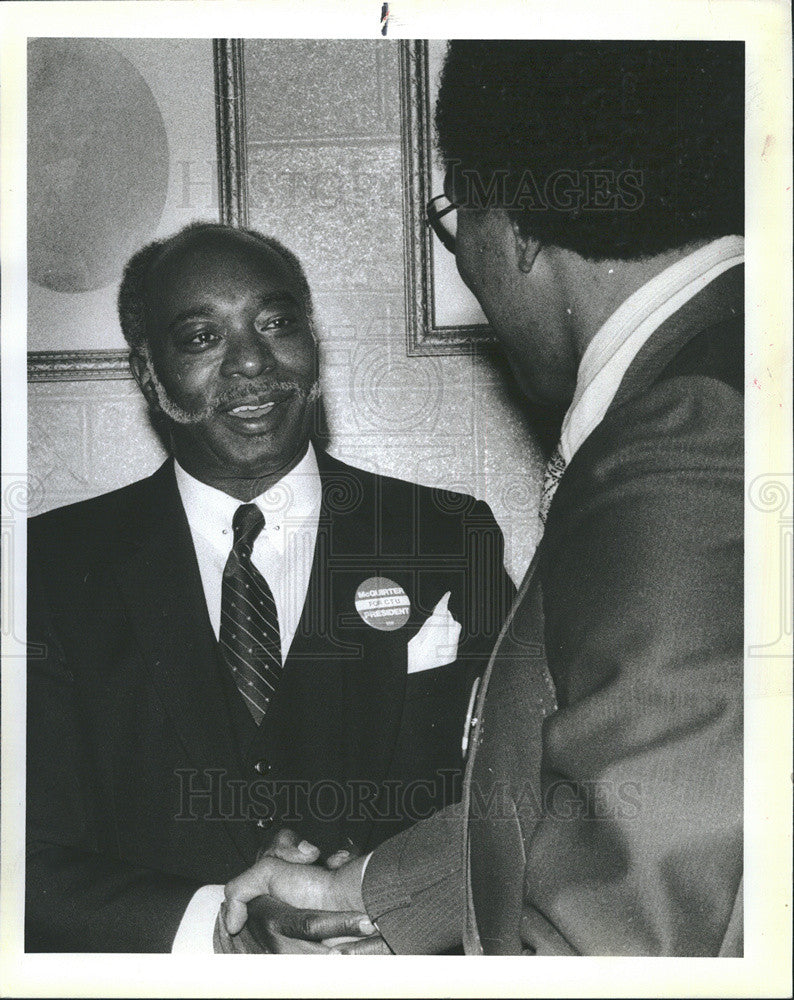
x: 721, y: 301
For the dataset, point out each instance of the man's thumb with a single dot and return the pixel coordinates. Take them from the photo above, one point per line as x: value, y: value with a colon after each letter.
x: 288, y: 846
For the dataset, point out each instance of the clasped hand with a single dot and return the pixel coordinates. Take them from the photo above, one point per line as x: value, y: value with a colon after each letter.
x: 287, y: 903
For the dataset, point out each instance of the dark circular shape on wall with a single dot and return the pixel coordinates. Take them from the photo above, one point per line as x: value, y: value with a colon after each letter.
x: 97, y: 163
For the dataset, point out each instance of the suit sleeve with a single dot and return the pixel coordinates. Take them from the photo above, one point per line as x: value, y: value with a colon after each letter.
x: 77, y: 898
x: 414, y: 886
x: 640, y: 847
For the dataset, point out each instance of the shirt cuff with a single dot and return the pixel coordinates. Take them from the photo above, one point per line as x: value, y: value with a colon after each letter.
x: 364, y: 866
x: 195, y: 933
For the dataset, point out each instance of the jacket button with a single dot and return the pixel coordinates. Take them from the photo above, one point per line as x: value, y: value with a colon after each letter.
x: 263, y: 766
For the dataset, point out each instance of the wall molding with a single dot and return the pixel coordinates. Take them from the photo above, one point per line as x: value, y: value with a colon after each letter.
x: 66, y: 366
x: 228, y: 60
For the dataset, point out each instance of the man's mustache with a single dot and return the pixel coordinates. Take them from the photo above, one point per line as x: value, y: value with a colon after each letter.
x: 259, y: 393
x: 251, y: 394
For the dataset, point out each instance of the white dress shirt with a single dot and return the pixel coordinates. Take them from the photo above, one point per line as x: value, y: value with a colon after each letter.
x: 617, y: 343
x: 283, y: 553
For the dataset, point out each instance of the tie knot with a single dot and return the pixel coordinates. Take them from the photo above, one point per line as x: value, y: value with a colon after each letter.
x: 247, y: 522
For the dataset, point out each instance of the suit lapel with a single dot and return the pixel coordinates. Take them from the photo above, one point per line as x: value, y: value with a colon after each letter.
x: 357, y: 673
x: 162, y: 589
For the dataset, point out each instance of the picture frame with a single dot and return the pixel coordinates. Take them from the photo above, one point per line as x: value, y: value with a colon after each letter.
x: 435, y: 296
x: 230, y: 190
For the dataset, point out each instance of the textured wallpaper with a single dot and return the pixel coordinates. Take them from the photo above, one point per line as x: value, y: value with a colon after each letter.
x: 325, y: 178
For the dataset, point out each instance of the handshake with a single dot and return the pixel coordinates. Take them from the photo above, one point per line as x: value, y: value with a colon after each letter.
x: 288, y: 903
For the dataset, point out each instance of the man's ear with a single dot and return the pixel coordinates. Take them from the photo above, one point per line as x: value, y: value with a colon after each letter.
x: 141, y: 372
x: 527, y: 248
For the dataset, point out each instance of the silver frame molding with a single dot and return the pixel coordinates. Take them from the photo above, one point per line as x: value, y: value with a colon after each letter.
x: 65, y: 366
x: 230, y: 130
x: 227, y: 54
x: 423, y: 336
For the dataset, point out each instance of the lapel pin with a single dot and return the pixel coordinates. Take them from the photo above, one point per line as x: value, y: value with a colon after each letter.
x: 382, y: 603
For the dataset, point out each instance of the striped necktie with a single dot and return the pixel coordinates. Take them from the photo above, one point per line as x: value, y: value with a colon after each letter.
x: 551, y: 480
x: 249, y: 634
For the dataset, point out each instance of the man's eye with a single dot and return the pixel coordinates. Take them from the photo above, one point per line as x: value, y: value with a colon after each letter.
x: 274, y: 323
x: 199, y: 339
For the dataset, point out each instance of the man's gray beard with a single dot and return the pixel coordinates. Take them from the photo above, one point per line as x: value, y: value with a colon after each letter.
x: 181, y: 416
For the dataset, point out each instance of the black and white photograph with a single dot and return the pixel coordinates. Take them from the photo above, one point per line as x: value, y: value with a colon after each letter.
x: 391, y: 566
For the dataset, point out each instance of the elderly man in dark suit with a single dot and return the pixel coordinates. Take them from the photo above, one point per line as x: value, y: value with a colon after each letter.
x: 598, y: 190
x: 257, y: 634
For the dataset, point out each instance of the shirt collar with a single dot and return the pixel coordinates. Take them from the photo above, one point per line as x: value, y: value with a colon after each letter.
x: 292, y: 501
x: 616, y: 344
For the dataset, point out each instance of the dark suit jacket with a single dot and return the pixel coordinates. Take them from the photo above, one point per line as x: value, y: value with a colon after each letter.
x: 603, y: 795
x: 146, y: 775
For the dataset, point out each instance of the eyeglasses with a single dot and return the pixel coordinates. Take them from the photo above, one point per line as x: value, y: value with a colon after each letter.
x: 440, y: 218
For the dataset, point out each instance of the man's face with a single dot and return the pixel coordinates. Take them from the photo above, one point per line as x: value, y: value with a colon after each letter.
x: 233, y: 360
x: 522, y: 305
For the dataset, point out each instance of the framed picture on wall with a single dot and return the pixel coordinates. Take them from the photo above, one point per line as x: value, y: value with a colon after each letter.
x: 117, y: 157
x: 111, y: 168
x: 443, y: 317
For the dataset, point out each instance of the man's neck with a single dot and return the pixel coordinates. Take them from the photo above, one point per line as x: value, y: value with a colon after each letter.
x: 242, y: 488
